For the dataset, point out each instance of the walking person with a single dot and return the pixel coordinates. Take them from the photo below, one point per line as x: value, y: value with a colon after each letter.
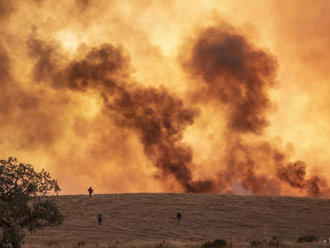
x: 99, y: 219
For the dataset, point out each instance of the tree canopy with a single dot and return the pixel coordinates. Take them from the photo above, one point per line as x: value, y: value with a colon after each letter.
x: 26, y: 201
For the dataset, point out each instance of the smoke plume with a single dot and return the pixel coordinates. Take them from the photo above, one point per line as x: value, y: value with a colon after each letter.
x: 238, y: 76
x: 131, y: 96
x: 158, y: 117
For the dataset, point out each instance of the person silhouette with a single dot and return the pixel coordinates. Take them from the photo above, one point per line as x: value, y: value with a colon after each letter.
x: 178, y: 216
x: 99, y: 219
x: 90, y: 191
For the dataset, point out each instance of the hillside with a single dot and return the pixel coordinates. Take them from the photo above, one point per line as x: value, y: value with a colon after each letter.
x: 133, y: 219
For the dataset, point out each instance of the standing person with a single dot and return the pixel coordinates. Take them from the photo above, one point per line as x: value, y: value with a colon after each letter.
x: 99, y: 219
x: 178, y: 216
x: 90, y: 191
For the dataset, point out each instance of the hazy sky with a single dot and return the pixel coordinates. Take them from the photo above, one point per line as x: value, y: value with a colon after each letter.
x: 153, y: 96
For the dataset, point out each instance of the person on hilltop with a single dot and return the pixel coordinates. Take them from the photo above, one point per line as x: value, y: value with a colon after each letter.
x: 90, y: 191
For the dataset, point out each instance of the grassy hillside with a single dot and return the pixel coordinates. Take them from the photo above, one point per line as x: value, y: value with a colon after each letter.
x: 148, y: 219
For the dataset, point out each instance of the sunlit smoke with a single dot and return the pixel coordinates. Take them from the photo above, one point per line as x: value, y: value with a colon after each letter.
x: 148, y: 96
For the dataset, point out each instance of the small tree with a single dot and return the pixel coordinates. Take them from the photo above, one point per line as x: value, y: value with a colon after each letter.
x: 25, y: 203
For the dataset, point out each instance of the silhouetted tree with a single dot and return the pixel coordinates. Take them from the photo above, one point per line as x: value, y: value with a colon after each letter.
x: 25, y: 201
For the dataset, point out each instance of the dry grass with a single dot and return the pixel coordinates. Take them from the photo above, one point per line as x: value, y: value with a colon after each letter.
x: 145, y: 220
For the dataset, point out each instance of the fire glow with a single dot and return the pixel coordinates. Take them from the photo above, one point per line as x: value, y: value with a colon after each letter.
x: 162, y: 97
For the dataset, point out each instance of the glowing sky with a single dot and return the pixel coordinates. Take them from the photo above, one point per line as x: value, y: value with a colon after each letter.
x: 71, y: 123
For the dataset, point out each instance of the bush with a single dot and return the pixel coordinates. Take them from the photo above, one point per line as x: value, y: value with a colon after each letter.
x: 218, y: 243
x: 81, y: 244
x: 274, y: 242
x: 307, y: 238
x: 255, y: 243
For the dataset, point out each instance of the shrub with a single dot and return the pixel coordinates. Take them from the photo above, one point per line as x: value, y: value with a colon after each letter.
x: 255, y: 243
x: 81, y: 244
x: 305, y: 237
x: 274, y: 242
x: 218, y: 243
x: 163, y: 244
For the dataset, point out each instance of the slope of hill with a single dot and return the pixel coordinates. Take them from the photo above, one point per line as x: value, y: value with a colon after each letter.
x: 133, y: 219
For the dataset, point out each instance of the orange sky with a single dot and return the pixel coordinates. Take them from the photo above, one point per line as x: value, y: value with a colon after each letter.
x: 82, y: 141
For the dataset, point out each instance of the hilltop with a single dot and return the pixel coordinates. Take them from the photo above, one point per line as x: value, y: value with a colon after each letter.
x: 137, y: 219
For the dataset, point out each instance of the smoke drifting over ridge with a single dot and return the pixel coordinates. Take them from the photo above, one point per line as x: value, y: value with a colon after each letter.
x: 238, y: 76
x: 88, y: 111
x: 158, y: 117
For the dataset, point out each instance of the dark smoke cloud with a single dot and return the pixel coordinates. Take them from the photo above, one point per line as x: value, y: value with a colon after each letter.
x: 160, y: 120
x: 46, y: 58
x: 102, y: 67
x: 263, y: 169
x: 236, y: 74
x: 158, y: 117
x: 294, y: 174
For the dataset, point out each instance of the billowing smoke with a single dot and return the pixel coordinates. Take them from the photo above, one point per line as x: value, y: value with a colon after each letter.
x: 238, y: 76
x: 131, y: 96
x: 158, y: 117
